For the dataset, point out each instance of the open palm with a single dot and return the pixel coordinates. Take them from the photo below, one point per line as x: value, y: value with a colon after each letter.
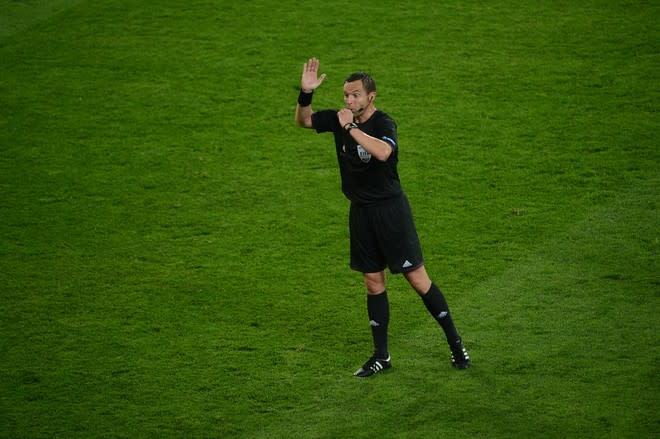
x: 310, y: 77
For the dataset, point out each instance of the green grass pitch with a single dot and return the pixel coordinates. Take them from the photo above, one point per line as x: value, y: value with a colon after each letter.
x: 173, y: 250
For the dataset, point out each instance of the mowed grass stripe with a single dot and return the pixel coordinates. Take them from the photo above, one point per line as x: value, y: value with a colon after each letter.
x: 583, y: 301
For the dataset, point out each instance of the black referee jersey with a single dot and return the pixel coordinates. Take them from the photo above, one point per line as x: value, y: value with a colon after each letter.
x: 364, y: 179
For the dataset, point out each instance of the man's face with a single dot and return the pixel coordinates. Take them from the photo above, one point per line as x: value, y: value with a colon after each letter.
x: 356, y: 98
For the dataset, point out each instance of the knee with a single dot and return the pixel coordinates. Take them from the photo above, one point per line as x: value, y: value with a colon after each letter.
x: 375, y: 282
x: 419, y: 280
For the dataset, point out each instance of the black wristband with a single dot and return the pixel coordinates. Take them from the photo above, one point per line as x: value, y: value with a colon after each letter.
x: 305, y: 99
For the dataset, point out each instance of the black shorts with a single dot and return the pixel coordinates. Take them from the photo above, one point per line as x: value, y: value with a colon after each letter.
x: 384, y: 235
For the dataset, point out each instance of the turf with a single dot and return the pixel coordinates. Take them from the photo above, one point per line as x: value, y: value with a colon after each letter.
x: 173, y: 249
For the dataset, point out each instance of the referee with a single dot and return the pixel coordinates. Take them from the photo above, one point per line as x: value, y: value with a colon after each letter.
x: 382, y: 231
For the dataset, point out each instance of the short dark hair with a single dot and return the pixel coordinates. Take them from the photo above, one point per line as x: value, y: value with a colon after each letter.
x: 367, y: 81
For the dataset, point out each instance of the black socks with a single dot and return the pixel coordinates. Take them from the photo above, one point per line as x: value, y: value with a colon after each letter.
x: 378, y: 308
x: 437, y: 305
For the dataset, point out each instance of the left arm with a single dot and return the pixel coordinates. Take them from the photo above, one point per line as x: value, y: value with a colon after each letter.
x: 379, y: 149
x: 376, y: 147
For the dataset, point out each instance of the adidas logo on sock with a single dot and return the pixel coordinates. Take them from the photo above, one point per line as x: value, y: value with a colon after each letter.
x: 374, y: 323
x: 442, y: 315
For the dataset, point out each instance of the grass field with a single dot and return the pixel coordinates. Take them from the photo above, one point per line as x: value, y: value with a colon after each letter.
x: 173, y: 250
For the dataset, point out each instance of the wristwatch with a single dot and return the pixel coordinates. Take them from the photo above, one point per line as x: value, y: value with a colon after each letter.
x: 349, y: 126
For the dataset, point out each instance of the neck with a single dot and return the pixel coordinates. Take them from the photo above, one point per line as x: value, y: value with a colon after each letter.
x: 366, y: 114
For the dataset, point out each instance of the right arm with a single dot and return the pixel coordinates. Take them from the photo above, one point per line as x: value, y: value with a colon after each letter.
x: 308, y: 83
x: 304, y: 116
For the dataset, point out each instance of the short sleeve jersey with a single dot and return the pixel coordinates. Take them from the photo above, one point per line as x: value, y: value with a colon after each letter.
x: 364, y: 179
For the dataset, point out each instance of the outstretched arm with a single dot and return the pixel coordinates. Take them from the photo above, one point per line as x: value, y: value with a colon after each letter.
x: 309, y: 82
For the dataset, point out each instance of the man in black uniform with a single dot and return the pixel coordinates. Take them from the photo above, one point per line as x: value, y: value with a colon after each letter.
x: 382, y: 231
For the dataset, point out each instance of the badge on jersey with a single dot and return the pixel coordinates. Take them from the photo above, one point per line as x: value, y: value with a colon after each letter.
x: 364, y: 155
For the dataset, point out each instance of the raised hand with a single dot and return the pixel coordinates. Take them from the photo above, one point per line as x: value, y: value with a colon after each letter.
x: 310, y: 79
